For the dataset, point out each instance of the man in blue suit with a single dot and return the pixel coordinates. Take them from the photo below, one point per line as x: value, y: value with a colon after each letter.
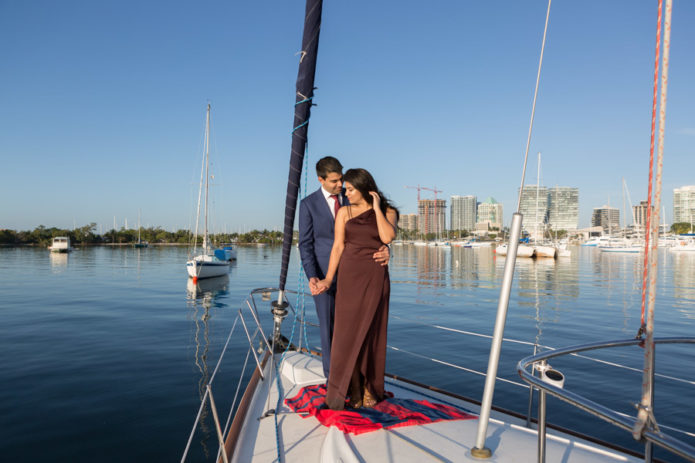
x: 316, y: 224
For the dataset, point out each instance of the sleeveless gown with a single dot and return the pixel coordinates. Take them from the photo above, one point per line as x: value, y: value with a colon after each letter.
x: 361, y: 311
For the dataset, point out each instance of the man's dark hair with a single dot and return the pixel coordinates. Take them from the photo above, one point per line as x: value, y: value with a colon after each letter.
x: 327, y: 165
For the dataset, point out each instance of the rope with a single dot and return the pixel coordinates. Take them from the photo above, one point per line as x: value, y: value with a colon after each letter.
x: 645, y: 408
x: 279, y: 384
x: 304, y: 101
x: 300, y: 126
x: 302, y: 275
x: 299, y: 313
x: 651, y: 170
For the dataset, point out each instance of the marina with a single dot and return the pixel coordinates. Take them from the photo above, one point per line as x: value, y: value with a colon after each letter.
x: 526, y: 340
x: 120, y: 347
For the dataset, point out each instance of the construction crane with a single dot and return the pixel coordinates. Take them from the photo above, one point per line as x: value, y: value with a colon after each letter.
x: 426, y: 214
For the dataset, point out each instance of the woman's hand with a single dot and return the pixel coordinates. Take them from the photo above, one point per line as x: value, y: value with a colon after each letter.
x: 376, y: 200
x: 321, y: 287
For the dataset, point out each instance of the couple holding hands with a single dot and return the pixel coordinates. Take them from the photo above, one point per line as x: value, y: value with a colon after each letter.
x: 344, y: 228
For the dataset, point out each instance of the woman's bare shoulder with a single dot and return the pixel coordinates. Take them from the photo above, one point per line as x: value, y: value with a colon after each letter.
x: 343, y: 213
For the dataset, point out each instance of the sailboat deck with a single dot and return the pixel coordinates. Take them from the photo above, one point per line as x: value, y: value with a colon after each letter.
x: 305, y: 439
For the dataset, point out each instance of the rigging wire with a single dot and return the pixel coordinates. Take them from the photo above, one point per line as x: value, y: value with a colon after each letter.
x: 533, y: 108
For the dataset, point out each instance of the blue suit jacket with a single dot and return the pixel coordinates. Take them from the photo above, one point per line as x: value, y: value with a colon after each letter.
x: 316, y: 233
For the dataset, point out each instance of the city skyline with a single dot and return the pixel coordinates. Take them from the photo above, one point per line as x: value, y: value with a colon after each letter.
x: 684, y: 204
x: 103, y: 110
x: 555, y: 208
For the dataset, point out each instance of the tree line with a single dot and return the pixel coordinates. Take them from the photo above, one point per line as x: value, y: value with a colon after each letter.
x: 43, y: 236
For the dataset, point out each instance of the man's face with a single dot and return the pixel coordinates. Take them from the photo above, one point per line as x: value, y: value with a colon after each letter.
x: 333, y: 183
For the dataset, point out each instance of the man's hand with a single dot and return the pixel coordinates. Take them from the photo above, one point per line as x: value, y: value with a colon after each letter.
x: 382, y: 255
x: 313, y: 286
x: 323, y: 286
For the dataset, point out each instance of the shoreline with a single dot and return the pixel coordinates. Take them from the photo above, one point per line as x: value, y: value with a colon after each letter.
x: 119, y: 245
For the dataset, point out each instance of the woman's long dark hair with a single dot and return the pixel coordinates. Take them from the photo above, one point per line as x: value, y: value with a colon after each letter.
x: 363, y: 182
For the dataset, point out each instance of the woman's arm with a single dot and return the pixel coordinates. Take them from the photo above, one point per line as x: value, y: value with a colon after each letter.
x: 385, y: 223
x: 337, y: 250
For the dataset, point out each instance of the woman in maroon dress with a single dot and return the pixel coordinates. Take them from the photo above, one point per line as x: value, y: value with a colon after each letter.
x: 358, y: 351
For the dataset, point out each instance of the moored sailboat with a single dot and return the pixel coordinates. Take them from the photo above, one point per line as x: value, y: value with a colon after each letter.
x: 205, y: 264
x: 522, y: 250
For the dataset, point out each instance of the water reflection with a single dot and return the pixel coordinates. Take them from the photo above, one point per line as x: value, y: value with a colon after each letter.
x: 556, y: 279
x: 611, y: 281
x: 431, y: 265
x: 59, y: 261
x: 201, y: 298
x: 208, y: 288
x: 472, y: 267
x: 684, y: 278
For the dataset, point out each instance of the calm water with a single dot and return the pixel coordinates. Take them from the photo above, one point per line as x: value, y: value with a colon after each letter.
x: 105, y: 350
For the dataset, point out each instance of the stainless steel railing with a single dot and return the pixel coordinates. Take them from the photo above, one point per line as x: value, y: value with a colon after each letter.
x: 253, y: 336
x: 651, y: 434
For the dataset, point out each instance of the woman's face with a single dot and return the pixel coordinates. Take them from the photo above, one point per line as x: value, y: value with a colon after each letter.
x: 352, y: 194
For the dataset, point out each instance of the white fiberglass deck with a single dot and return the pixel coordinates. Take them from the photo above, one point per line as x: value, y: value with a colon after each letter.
x: 306, y: 440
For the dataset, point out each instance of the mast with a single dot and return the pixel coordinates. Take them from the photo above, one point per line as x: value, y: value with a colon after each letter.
x: 302, y: 112
x: 207, y: 173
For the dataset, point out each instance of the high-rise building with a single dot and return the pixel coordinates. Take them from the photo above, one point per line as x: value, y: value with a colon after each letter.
x: 407, y: 222
x: 563, y: 208
x: 684, y: 204
x: 606, y: 217
x: 463, y: 212
x: 640, y: 213
x: 534, y: 208
x: 431, y: 215
x: 490, y: 213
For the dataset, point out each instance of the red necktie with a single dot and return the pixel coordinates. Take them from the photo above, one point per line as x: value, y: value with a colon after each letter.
x: 336, y: 206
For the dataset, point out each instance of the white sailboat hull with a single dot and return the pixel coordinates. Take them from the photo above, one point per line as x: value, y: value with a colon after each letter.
x: 521, y: 251
x: 525, y: 251
x: 683, y: 247
x: 206, y: 267
x: 545, y: 251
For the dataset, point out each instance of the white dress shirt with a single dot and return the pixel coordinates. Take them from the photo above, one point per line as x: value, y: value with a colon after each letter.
x: 331, y: 203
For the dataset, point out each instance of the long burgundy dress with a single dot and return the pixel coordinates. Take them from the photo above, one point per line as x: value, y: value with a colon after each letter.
x: 361, y: 311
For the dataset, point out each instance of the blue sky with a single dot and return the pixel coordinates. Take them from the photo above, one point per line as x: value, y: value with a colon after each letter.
x: 102, y: 104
